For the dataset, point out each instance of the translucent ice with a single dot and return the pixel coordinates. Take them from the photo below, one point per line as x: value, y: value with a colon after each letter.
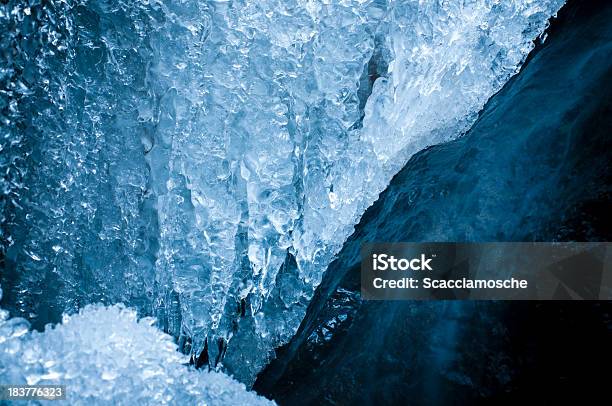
x: 204, y: 161
x: 105, y: 356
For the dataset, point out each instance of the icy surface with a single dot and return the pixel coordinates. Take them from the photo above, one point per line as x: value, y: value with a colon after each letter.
x: 105, y: 356
x: 204, y: 161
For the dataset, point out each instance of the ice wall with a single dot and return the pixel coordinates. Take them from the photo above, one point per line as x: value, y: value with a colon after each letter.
x: 78, y: 222
x: 204, y: 161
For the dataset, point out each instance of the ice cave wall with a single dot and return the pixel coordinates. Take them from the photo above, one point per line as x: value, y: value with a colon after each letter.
x: 204, y: 161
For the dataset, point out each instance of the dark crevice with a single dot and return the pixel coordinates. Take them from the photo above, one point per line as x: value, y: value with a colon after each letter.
x: 202, y: 359
x: 376, y: 67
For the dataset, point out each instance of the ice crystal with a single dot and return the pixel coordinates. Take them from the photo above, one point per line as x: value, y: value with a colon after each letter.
x: 105, y: 356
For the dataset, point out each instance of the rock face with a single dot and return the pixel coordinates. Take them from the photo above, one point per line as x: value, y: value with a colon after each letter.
x: 536, y: 166
x: 204, y: 161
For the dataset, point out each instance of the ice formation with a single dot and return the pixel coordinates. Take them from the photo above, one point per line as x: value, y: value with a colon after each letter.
x: 204, y: 161
x: 105, y: 356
